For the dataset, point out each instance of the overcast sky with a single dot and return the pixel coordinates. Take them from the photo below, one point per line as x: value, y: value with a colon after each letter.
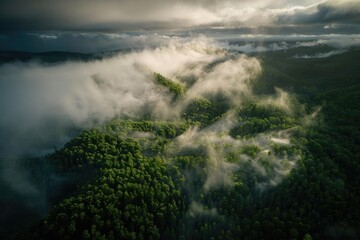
x: 135, y: 15
x: 99, y: 25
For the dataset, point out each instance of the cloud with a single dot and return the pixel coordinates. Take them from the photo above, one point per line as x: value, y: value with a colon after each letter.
x: 197, y: 209
x: 346, y: 11
x: 105, y: 15
x: 42, y: 104
x: 321, y: 55
x: 281, y: 99
x: 230, y: 77
x: 126, y: 15
x: 216, y: 143
x: 255, y: 47
x: 107, y: 44
x: 338, y: 41
x: 253, y: 43
x: 79, y: 92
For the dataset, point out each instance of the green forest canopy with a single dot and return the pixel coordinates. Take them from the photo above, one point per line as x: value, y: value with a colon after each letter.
x: 139, y: 190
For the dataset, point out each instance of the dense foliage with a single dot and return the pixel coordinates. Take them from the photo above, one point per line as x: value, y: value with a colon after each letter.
x: 175, y: 88
x: 203, y: 112
x: 130, y: 197
x: 258, y: 119
x: 140, y: 188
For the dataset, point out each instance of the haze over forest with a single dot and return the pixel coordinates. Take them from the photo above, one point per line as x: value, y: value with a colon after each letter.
x: 179, y: 119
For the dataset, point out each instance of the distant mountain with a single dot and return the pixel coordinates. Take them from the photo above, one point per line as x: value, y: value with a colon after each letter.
x: 54, y: 56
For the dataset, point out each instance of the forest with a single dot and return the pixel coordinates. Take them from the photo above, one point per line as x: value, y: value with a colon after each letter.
x: 224, y: 169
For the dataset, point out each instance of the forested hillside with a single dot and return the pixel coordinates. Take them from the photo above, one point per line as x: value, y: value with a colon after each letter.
x: 270, y: 165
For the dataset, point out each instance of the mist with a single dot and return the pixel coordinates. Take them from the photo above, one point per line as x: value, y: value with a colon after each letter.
x: 236, y: 115
x: 45, y: 105
x: 260, y: 43
x: 321, y: 55
x: 80, y: 94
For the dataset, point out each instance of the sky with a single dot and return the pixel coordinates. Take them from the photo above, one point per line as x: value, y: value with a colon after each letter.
x: 145, y: 15
x: 60, y: 25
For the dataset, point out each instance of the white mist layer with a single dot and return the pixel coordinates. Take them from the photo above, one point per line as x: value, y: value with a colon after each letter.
x: 39, y: 102
x: 197, y: 209
x: 258, y: 43
x: 96, y: 91
x: 218, y: 144
x: 322, y: 55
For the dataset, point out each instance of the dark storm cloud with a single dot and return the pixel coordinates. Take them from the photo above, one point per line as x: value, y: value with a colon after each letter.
x: 340, y: 12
